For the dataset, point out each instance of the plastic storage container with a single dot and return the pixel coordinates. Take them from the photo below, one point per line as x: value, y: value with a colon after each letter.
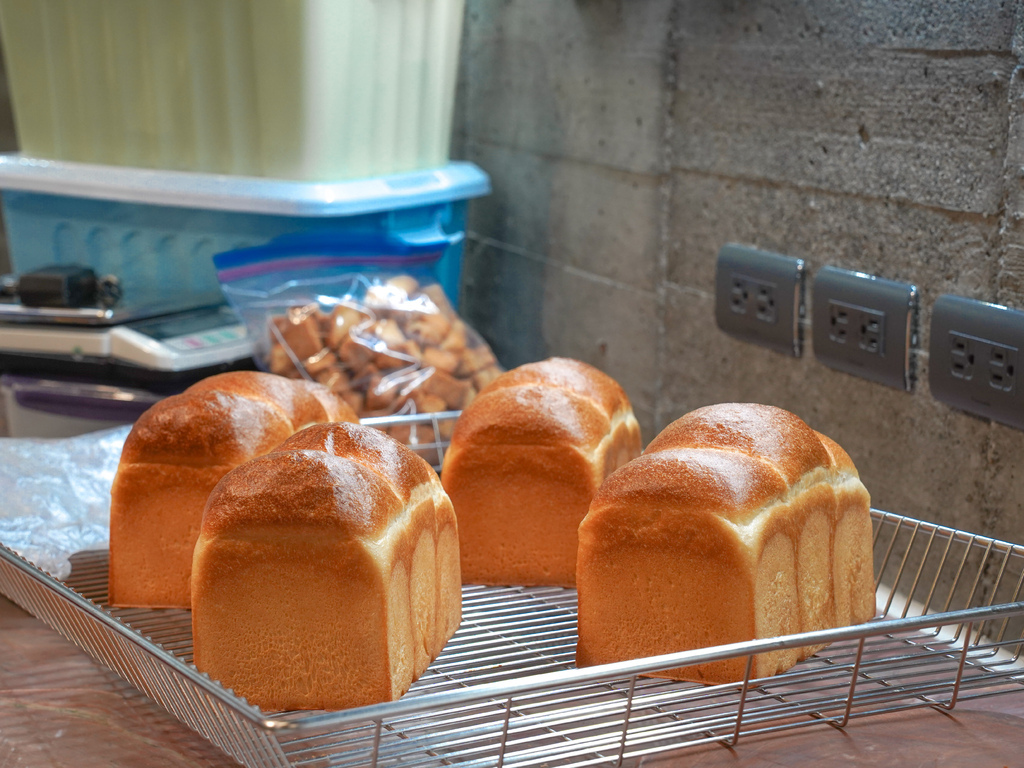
x: 299, y: 89
x: 157, y: 231
x: 40, y: 407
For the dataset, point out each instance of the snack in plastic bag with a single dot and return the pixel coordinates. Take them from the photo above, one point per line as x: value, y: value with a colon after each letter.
x: 380, y: 332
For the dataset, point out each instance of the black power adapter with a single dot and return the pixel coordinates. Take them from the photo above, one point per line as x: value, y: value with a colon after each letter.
x: 64, y: 285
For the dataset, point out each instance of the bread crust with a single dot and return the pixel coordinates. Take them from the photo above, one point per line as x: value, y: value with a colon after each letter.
x: 326, y: 574
x: 173, y: 457
x: 525, y: 459
x: 739, y: 522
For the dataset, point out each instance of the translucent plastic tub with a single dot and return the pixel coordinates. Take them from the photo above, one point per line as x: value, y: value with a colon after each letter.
x: 37, y: 407
x: 292, y: 89
x: 157, y: 231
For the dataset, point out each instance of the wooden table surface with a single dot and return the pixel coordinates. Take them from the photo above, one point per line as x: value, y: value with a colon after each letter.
x: 100, y: 720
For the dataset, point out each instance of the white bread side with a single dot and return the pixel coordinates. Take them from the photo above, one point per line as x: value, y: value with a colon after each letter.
x: 326, y: 575
x: 176, y: 453
x: 739, y: 522
x: 525, y: 460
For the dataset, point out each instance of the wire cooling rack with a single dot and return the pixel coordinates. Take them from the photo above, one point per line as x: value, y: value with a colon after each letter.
x: 505, y: 690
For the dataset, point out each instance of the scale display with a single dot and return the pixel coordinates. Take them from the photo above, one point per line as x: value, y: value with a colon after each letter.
x: 181, y: 342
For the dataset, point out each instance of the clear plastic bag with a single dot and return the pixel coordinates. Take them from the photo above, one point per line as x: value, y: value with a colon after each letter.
x: 365, y: 318
x: 57, y: 495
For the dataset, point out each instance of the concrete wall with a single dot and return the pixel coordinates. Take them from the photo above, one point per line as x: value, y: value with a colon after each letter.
x: 629, y: 139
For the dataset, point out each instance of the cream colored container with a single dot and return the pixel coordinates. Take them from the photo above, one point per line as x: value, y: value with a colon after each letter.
x: 313, y: 90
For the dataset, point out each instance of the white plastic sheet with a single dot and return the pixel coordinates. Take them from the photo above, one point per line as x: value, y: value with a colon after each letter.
x: 55, y: 495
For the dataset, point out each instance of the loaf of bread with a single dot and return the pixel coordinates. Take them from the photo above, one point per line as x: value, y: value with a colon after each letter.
x: 739, y: 522
x: 176, y: 453
x: 326, y: 574
x: 525, y: 460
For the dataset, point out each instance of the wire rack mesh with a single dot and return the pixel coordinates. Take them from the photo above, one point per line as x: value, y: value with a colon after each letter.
x: 505, y: 691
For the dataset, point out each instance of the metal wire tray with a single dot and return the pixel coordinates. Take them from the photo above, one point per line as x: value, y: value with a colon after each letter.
x: 505, y: 691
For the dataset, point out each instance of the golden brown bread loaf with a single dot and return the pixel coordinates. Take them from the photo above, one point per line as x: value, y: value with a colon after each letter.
x: 326, y: 574
x: 526, y: 458
x: 176, y: 453
x: 739, y: 522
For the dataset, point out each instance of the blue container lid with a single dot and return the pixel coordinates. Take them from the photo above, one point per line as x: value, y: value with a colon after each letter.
x: 248, y: 194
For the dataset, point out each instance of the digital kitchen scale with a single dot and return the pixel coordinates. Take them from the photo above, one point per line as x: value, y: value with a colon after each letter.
x: 170, y: 348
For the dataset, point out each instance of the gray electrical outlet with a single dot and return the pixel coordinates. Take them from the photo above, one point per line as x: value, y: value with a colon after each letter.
x: 865, y: 325
x: 759, y: 297
x: 973, y: 357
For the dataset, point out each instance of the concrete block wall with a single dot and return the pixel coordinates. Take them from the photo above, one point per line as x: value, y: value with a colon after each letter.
x: 627, y: 140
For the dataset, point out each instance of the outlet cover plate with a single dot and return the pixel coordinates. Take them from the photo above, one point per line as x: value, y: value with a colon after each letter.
x: 759, y: 297
x: 973, y: 354
x: 865, y: 325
